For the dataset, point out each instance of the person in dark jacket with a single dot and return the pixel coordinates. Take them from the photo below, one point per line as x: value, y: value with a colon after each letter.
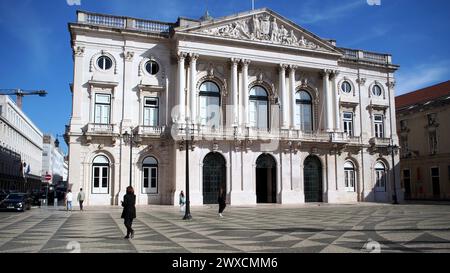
x: 221, y: 200
x: 129, y: 211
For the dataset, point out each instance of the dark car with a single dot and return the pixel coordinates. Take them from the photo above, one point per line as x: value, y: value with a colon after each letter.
x: 16, y: 201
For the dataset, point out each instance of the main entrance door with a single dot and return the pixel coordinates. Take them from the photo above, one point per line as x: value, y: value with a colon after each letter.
x: 312, y: 177
x: 214, y: 177
x: 266, y: 175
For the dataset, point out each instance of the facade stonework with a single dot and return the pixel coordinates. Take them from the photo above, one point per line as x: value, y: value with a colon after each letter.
x: 423, y: 119
x: 273, y: 113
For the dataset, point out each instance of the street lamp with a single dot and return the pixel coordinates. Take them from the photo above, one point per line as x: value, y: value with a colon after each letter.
x: 393, y: 150
x: 129, y: 138
x: 187, y: 213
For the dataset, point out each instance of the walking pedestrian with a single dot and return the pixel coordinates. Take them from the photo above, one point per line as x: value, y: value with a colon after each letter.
x: 69, y: 198
x: 129, y: 211
x: 222, y: 201
x: 182, y: 202
x: 80, y: 198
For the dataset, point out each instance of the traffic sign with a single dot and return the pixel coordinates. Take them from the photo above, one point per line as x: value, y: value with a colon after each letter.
x: 48, y: 177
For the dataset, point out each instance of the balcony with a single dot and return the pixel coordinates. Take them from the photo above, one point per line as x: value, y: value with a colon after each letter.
x: 100, y: 129
x: 380, y: 141
x: 372, y: 57
x: 151, y: 131
x: 148, y: 26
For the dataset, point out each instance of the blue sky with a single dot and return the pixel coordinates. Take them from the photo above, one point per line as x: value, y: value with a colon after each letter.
x: 35, y: 49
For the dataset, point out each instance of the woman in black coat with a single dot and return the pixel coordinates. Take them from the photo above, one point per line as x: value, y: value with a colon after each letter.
x: 222, y: 201
x: 129, y: 211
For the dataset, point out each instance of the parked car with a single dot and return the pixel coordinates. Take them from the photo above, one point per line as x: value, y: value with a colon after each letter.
x: 16, y: 201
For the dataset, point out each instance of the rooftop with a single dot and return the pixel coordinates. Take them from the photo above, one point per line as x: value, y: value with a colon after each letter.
x: 423, y: 95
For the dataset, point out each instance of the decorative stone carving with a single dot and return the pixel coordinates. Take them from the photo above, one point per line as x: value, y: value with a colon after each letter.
x: 128, y: 56
x: 215, y: 146
x: 263, y: 28
x: 390, y: 84
x: 78, y: 51
x: 361, y: 81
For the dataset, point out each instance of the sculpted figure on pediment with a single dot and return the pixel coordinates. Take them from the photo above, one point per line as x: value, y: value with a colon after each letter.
x: 261, y: 28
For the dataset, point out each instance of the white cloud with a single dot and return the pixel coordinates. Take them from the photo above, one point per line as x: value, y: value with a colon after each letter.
x: 421, y: 76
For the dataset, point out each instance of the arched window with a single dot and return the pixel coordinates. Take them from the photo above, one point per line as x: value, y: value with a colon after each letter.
x: 100, y: 175
x: 303, y: 111
x: 209, y: 104
x: 258, y: 113
x: 349, y: 170
x: 380, y: 176
x: 150, y: 175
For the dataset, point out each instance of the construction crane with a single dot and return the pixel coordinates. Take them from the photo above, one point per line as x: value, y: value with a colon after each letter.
x: 19, y: 93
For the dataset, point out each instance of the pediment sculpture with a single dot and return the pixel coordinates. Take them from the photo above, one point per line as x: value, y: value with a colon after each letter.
x: 264, y: 28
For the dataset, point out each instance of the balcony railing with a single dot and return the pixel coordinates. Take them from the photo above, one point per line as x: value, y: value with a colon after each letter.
x: 96, y: 128
x: 380, y: 141
x: 359, y: 55
x: 151, y: 130
x: 124, y: 23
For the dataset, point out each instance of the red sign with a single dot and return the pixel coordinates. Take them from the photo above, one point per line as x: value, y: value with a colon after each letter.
x: 48, y: 177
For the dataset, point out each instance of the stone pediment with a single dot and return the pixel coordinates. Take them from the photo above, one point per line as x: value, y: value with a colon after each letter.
x: 263, y: 26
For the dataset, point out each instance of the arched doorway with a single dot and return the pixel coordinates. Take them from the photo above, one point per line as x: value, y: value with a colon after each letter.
x: 312, y: 179
x: 214, y: 177
x: 266, y: 179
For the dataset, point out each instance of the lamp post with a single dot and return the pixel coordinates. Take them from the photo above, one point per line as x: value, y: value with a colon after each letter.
x: 130, y: 138
x: 187, y: 213
x: 393, y: 149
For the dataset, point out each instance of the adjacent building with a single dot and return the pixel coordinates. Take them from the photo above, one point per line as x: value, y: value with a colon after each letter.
x: 20, y: 149
x: 273, y: 113
x: 423, y: 125
x: 53, y: 160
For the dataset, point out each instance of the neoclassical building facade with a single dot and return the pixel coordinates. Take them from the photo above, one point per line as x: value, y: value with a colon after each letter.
x: 273, y: 113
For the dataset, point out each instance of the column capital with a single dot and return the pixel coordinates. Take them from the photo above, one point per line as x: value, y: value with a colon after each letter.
x: 293, y: 67
x: 325, y: 72
x: 245, y: 62
x: 361, y: 81
x: 78, y: 51
x: 282, y: 66
x: 390, y: 84
x: 193, y: 56
x: 128, y: 56
x: 234, y: 61
x: 181, y: 55
x: 334, y: 73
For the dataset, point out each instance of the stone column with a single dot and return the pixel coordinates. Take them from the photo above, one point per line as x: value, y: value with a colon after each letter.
x: 245, y: 64
x: 181, y: 88
x: 78, y: 53
x: 193, y: 88
x: 335, y: 90
x: 328, y: 101
x: 283, y: 96
x: 292, y: 93
x: 129, y: 102
x: 234, y: 91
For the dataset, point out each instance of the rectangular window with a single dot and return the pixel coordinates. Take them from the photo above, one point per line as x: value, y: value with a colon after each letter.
x: 379, y: 126
x: 100, y: 179
x: 432, y: 139
x: 380, y: 180
x: 151, y: 111
x: 435, y: 181
x: 252, y: 113
x: 407, y: 182
x: 348, y: 123
x: 150, y: 180
x: 349, y: 180
x: 102, y: 109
